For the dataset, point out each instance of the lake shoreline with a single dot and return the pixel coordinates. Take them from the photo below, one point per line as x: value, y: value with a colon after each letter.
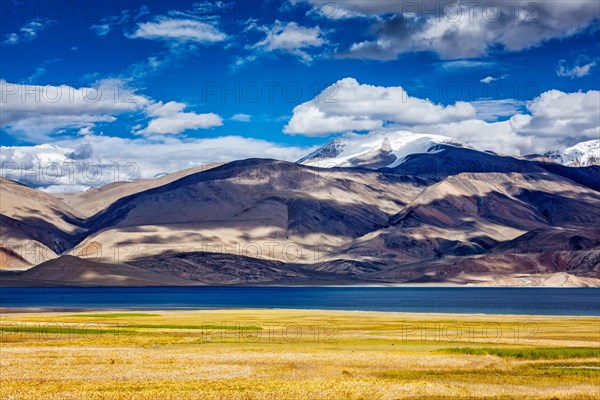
x: 5, y: 311
x: 492, y: 301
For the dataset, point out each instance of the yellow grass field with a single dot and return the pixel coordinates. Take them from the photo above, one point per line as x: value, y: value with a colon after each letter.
x: 296, y: 354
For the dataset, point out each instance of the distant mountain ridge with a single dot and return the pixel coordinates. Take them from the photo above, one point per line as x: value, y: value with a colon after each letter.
x: 402, y: 209
x: 375, y: 150
x: 583, y: 154
x: 392, y: 148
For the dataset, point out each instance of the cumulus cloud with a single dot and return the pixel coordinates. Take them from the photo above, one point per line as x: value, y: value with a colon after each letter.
x: 552, y: 120
x: 34, y: 111
x: 507, y: 126
x: 92, y: 161
x: 457, y: 30
x: 501, y: 137
x: 562, y: 115
x: 348, y: 105
x: 177, y: 30
x: 291, y: 38
x: 169, y: 118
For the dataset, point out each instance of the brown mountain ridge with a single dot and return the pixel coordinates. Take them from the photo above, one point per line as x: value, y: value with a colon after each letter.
x: 457, y: 217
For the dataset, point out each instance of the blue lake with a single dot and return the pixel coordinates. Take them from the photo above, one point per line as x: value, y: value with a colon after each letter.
x: 543, y: 301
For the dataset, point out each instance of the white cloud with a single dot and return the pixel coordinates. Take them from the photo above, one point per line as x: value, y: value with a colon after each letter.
x: 505, y: 125
x: 28, y: 32
x: 501, y: 137
x: 209, y: 7
x: 86, y: 130
x: 456, y: 30
x: 563, y: 115
x: 169, y: 118
x: 464, y: 64
x: 347, y: 105
x: 33, y: 112
x: 76, y: 164
x: 241, y: 61
x: 489, y: 79
x: 178, y: 30
x: 577, y: 71
x: 291, y: 38
x: 553, y: 120
x: 241, y: 117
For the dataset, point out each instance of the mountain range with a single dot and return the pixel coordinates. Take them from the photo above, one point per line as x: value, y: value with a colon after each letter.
x: 377, y: 209
x: 582, y: 154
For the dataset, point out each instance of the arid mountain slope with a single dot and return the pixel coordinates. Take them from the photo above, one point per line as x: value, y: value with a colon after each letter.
x: 95, y: 200
x: 69, y: 270
x: 472, y: 215
x: 263, y: 208
x: 34, y: 224
x: 449, y: 215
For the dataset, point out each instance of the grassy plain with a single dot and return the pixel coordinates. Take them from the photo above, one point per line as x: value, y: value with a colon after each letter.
x: 296, y: 354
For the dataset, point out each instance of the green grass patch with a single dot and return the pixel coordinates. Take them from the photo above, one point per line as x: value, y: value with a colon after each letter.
x: 540, y: 353
x: 572, y: 364
x: 536, y: 373
x: 61, y: 330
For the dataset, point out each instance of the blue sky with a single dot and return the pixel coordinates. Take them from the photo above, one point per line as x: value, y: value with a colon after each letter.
x: 225, y: 70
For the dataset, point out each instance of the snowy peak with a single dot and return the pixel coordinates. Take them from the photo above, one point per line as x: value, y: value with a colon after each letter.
x: 331, y: 150
x: 375, y: 150
x: 582, y: 154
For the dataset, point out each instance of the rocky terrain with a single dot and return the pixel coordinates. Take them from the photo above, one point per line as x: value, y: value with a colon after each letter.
x: 389, y: 209
x: 582, y: 154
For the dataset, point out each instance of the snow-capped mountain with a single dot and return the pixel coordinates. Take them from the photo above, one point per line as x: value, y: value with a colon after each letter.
x: 582, y: 154
x: 375, y: 150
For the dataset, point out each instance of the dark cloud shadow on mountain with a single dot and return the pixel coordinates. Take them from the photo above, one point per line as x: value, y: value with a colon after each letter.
x: 451, y: 161
x: 40, y: 230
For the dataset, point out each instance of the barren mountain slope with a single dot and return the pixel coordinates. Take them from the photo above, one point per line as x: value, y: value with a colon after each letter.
x: 469, y: 215
x: 262, y: 208
x: 452, y: 215
x: 71, y: 270
x: 95, y: 200
x: 34, y: 224
x: 218, y: 269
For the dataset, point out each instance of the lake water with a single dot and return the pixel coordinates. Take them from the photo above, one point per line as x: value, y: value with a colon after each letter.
x: 543, y: 301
